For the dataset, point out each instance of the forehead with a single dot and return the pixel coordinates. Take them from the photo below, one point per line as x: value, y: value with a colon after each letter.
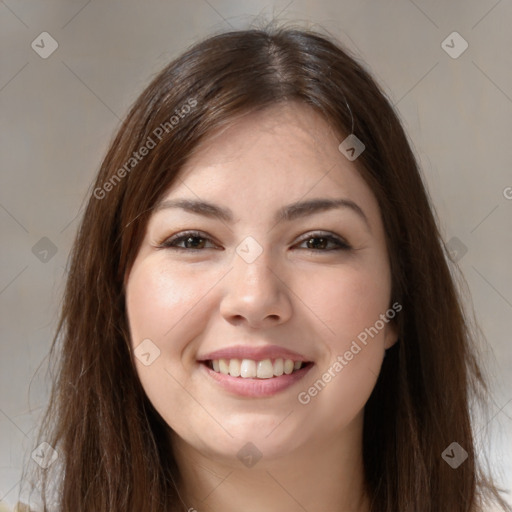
x: 287, y: 131
x: 264, y: 159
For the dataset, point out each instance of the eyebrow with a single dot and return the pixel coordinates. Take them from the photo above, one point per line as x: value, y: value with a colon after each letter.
x: 288, y: 213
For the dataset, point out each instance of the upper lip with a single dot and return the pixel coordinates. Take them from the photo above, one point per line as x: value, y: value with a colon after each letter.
x: 254, y: 353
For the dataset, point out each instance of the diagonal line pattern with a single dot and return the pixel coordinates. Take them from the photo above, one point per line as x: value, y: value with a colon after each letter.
x: 75, y: 15
x: 14, y: 14
x: 85, y: 85
x: 280, y: 423
x: 416, y: 84
x: 209, y: 290
x: 15, y: 75
x: 198, y: 403
x: 9, y: 491
x: 286, y: 491
x: 9, y: 418
x: 206, y: 1
x: 485, y: 15
x: 492, y: 211
x: 284, y: 8
x: 301, y: 300
x: 12, y: 280
x: 424, y: 14
x: 71, y: 221
x: 216, y: 487
x: 14, y: 218
x: 492, y: 419
x: 492, y: 81
x: 493, y: 287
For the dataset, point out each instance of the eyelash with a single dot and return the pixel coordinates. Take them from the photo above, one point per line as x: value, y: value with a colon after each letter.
x: 168, y: 243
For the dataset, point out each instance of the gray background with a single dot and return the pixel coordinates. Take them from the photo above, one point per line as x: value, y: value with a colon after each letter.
x: 60, y: 113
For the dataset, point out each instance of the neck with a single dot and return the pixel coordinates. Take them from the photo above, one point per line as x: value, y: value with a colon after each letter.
x: 325, y: 475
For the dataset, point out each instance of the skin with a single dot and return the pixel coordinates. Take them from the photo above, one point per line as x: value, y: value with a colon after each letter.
x: 315, y: 303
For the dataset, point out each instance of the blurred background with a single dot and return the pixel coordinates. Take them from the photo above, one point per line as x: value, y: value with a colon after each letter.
x: 71, y: 69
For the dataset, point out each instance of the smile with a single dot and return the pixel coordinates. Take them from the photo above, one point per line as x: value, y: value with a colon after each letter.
x: 252, y: 369
x: 252, y: 378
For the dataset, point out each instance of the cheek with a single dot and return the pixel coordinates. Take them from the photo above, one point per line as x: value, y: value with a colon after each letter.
x: 346, y: 302
x: 163, y: 305
x: 160, y: 301
x: 338, y: 391
x: 351, y: 309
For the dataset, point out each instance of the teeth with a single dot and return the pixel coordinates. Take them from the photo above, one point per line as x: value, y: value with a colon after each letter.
x: 265, y: 369
x: 278, y: 367
x: 288, y: 366
x: 250, y: 369
x: 223, y: 366
x: 234, y: 367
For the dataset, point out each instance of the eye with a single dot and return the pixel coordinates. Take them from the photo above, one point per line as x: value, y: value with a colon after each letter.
x: 192, y: 240
x: 318, y: 242
x: 195, y: 241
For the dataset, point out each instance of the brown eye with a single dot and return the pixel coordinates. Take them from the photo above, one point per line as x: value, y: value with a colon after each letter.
x: 319, y: 242
x: 188, y: 241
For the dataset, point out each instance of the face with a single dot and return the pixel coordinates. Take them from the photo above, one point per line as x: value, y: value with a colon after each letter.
x: 267, y: 257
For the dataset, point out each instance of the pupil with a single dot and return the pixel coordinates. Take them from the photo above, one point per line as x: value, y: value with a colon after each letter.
x: 316, y: 245
x: 190, y: 239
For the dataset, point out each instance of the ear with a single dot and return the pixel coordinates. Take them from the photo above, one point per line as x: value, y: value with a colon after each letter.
x: 391, y: 334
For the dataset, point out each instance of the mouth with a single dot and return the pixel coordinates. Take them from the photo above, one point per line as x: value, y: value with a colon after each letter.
x: 255, y: 369
x: 251, y: 378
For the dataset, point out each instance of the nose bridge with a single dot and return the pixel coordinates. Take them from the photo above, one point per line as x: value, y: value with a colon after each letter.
x: 254, y: 290
x: 253, y: 268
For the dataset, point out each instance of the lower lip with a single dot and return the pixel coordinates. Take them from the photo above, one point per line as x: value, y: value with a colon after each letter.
x: 256, y: 387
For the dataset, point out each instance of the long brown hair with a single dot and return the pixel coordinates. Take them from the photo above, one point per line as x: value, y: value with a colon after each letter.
x: 113, y: 452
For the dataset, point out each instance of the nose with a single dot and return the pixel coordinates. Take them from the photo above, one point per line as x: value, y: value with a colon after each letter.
x: 256, y: 294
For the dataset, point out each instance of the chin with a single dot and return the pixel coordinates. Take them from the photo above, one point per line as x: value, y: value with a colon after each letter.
x: 269, y: 438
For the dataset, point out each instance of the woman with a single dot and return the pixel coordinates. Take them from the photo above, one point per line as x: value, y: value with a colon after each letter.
x: 259, y: 314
